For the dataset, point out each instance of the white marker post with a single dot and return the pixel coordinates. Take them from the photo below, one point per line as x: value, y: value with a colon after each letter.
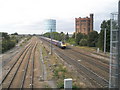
x: 98, y: 50
x: 68, y: 84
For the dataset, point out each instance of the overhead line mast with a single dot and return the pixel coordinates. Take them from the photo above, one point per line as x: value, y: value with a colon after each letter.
x: 114, y: 80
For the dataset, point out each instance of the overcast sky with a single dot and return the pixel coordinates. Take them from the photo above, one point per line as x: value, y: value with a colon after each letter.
x: 27, y: 16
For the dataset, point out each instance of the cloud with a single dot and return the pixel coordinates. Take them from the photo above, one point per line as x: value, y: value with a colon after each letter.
x: 26, y: 16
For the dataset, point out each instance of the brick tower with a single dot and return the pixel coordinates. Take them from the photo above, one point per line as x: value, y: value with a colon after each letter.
x: 84, y: 25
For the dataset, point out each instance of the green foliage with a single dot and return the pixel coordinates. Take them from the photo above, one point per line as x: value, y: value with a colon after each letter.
x: 59, y: 72
x: 7, y: 42
x: 100, y: 44
x: 79, y: 36
x: 60, y: 84
x: 55, y: 35
x: 86, y: 40
x: 83, y: 42
x: 71, y: 41
x: 67, y: 37
x: 15, y: 33
x: 4, y: 35
x: 74, y: 87
x: 34, y: 34
x: 108, y: 41
x: 92, y: 38
x: 73, y: 36
x: 47, y: 34
x: 62, y: 36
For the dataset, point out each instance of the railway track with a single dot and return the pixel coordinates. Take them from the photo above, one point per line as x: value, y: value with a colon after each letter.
x: 28, y: 80
x: 94, y: 61
x: 95, y: 78
x: 92, y: 76
x: 14, y: 64
x: 98, y: 67
x: 28, y: 76
x: 5, y: 61
x: 15, y: 77
x: 8, y: 60
x: 25, y: 71
x: 32, y: 71
x: 10, y: 75
x: 88, y: 53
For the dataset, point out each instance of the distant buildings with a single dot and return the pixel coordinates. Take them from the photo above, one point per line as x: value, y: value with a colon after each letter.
x: 50, y: 24
x: 84, y: 25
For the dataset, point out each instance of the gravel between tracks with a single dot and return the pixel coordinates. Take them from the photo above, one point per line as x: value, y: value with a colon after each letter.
x: 104, y: 84
x: 17, y: 71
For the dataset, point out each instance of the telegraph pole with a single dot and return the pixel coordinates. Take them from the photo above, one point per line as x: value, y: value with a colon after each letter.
x: 51, y: 41
x: 105, y: 40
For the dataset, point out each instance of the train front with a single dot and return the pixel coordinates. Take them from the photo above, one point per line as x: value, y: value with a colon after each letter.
x: 63, y: 45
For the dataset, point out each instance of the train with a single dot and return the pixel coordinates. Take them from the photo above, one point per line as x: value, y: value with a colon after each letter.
x: 60, y: 44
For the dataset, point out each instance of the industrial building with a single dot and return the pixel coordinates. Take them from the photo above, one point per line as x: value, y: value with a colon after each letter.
x: 50, y: 25
x: 84, y: 25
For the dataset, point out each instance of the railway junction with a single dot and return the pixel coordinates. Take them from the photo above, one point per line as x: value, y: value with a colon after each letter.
x: 33, y: 67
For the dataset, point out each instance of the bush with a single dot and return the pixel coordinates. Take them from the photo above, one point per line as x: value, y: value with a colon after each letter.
x: 92, y: 39
x: 59, y: 72
x: 79, y: 36
x: 7, y: 45
x: 71, y: 41
x: 74, y: 87
x: 7, y: 42
x: 60, y: 85
x: 83, y: 42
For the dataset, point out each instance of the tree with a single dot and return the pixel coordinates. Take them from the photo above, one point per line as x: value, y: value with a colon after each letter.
x: 73, y: 36
x: 79, y: 36
x: 100, y: 43
x: 92, y: 38
x: 5, y: 35
x: 34, y: 34
x: 83, y: 42
x: 7, y: 42
x: 104, y: 25
x: 15, y: 33
x: 56, y: 35
x: 47, y: 35
x: 72, y: 41
x: 67, y: 37
x: 62, y: 36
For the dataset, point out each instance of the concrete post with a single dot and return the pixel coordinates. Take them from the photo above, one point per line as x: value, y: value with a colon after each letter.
x: 51, y: 42
x: 68, y: 84
x: 98, y: 50
x: 105, y: 40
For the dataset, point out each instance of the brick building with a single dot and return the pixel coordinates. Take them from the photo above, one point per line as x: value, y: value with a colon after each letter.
x: 84, y: 25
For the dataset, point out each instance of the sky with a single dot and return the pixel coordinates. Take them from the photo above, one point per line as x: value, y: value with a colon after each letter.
x: 27, y: 16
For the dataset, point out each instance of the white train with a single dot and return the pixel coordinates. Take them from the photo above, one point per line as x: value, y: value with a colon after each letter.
x: 55, y: 42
